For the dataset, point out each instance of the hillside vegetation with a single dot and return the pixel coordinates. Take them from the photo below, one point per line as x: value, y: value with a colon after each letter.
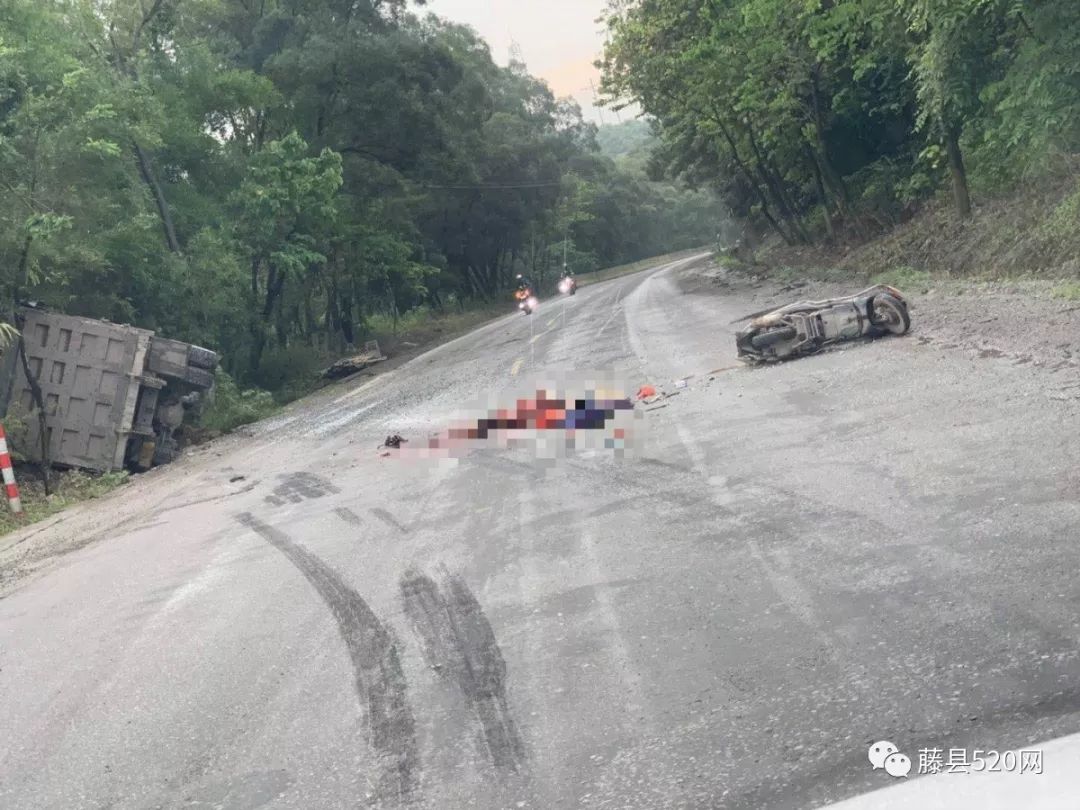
x: 835, y: 121
x: 273, y: 179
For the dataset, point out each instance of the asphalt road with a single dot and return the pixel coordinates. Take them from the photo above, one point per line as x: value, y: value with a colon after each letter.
x: 874, y: 543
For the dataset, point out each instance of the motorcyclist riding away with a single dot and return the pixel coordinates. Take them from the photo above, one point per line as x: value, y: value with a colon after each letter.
x: 567, y: 284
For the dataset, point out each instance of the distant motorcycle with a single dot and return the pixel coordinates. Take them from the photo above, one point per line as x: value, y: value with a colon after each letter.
x: 568, y: 285
x: 806, y: 326
x: 527, y: 302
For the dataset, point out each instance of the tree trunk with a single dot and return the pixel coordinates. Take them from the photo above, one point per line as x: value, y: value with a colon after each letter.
x: 147, y: 172
x: 347, y: 330
x: 309, y: 325
x: 393, y: 306
x: 830, y: 176
x: 961, y: 194
x: 254, y: 324
x: 788, y: 204
x: 763, y: 201
x: 822, y: 196
x: 773, y: 182
x: 258, y: 343
x: 24, y: 261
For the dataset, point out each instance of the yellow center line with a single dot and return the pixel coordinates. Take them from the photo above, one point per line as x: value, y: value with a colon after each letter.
x: 516, y: 367
x: 552, y: 322
x: 535, y: 338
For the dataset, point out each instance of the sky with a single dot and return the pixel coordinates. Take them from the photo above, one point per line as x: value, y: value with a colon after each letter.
x: 559, y: 40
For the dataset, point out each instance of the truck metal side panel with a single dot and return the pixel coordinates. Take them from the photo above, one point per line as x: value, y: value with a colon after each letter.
x: 88, y: 372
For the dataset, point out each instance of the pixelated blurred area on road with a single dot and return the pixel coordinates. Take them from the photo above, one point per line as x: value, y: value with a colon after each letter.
x: 552, y: 418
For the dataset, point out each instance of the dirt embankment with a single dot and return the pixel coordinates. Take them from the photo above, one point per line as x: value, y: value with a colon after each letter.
x: 1032, y: 233
x: 1004, y: 284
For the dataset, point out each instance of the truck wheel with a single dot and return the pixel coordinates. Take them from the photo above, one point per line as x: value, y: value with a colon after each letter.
x: 201, y: 377
x: 165, y: 454
x: 202, y: 358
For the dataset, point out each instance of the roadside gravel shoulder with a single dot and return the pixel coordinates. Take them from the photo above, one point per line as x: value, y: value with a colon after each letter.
x: 1023, y: 322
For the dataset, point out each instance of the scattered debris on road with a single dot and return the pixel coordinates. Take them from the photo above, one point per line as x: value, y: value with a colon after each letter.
x: 348, y: 366
x: 553, y: 420
x: 805, y: 327
x: 394, y: 441
x: 646, y: 391
x: 721, y: 370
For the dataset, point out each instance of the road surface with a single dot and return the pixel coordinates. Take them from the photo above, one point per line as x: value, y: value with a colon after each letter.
x: 874, y: 543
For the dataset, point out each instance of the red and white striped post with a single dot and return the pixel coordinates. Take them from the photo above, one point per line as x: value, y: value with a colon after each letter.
x: 10, y: 486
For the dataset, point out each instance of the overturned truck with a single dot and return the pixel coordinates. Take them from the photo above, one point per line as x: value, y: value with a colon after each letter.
x: 113, y: 395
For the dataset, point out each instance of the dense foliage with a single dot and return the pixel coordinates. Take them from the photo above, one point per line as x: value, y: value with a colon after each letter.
x: 817, y: 115
x: 262, y: 176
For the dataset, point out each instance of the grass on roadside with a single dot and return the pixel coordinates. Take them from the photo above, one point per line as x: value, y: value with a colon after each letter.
x: 69, y: 487
x: 1069, y: 290
x: 904, y: 278
x: 424, y: 327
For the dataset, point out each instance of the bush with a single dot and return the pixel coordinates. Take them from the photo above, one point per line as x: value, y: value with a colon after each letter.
x: 1069, y: 290
x: 904, y: 278
x: 16, y: 426
x: 291, y: 372
x: 232, y: 407
x: 68, y: 487
x: 1061, y: 223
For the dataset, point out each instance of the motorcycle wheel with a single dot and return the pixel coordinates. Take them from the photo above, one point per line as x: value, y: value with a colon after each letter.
x: 890, y: 314
x: 573, y: 290
x: 772, y: 337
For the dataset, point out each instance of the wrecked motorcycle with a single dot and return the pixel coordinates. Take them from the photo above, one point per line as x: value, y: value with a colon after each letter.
x: 806, y: 326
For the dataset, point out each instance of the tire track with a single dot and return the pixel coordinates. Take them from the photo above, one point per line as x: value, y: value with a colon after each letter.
x: 348, y: 515
x: 389, y: 519
x: 459, y: 644
x: 380, y: 681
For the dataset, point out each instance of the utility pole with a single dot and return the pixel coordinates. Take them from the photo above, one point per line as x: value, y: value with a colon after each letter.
x: 597, y: 107
x: 600, y: 109
x: 516, y: 54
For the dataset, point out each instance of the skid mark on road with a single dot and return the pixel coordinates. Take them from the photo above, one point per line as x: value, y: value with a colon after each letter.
x: 459, y: 644
x: 380, y: 682
x: 389, y: 519
x: 298, y: 487
x: 615, y: 311
x: 348, y: 515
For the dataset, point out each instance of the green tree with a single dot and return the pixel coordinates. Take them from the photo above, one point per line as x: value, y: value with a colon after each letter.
x: 285, y: 217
